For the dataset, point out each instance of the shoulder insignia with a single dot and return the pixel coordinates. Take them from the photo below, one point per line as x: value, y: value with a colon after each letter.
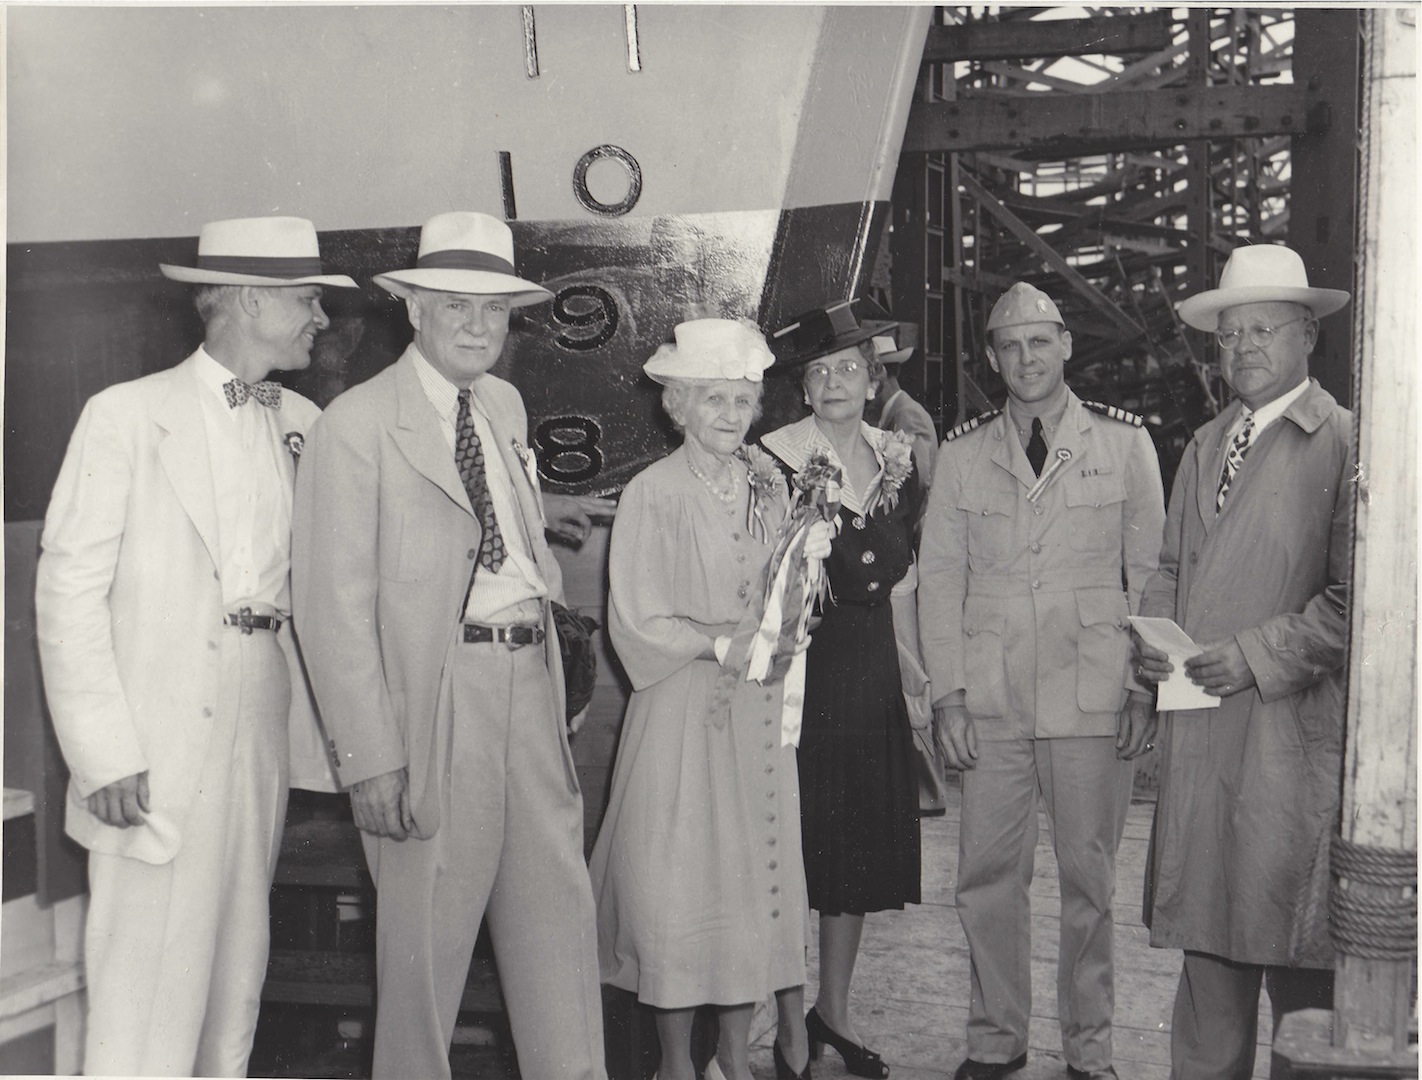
x: 1115, y: 413
x: 970, y: 425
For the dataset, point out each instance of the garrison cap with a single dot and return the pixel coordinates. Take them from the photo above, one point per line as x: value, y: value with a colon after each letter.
x: 1023, y: 304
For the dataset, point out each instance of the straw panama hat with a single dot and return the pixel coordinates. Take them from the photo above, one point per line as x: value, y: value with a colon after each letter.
x: 1258, y: 274
x: 464, y: 251
x: 887, y: 350
x: 257, y: 251
x: 711, y: 349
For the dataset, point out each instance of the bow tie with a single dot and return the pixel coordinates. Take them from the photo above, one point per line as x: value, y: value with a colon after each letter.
x: 267, y: 392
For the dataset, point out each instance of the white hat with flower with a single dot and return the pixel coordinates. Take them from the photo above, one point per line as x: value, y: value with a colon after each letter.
x: 712, y: 349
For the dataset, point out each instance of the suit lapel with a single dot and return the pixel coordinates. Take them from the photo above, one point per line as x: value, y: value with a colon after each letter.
x: 184, y: 455
x: 530, y: 507
x: 1211, y: 462
x: 417, y: 434
x: 287, y: 459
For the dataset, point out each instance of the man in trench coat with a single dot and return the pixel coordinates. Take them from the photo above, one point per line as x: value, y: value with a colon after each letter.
x: 1042, y: 528
x: 169, y: 668
x: 422, y: 585
x: 1255, y: 569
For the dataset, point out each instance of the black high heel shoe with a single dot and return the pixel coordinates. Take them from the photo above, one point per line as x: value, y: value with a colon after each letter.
x: 782, y: 1067
x: 859, y: 1060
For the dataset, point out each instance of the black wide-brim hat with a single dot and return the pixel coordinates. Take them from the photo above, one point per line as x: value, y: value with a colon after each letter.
x: 824, y: 330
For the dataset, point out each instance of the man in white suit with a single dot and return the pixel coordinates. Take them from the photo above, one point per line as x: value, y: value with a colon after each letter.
x: 422, y: 584
x: 162, y: 603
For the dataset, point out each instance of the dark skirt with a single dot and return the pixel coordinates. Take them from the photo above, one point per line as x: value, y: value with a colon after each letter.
x: 858, y: 789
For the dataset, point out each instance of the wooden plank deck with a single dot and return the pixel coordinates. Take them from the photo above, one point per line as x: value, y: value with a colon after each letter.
x: 911, y: 984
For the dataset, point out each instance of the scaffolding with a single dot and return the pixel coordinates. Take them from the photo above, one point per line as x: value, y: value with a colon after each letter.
x: 1113, y: 157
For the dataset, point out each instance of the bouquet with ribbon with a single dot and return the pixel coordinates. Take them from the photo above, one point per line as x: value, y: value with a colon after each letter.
x: 769, y: 643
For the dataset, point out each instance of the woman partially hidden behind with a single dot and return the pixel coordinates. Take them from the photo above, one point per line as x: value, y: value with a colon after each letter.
x: 697, y: 868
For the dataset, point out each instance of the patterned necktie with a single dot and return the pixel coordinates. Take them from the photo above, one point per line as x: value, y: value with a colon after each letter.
x: 469, y: 458
x: 1234, y: 458
x: 266, y: 393
x: 1037, y: 446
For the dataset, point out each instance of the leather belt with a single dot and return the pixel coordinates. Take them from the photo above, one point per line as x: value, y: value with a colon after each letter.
x: 515, y: 637
x: 245, y: 621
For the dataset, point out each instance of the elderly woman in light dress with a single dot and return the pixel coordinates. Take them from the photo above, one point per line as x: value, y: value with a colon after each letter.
x: 697, y: 868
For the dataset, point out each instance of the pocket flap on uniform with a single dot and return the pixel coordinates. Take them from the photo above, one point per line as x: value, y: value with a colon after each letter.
x: 987, y: 502
x: 1097, y: 606
x: 1093, y: 490
x: 982, y: 621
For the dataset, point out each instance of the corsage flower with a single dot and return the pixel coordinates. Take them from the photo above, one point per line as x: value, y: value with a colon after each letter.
x: 897, y: 450
x: 766, y: 484
x: 295, y: 443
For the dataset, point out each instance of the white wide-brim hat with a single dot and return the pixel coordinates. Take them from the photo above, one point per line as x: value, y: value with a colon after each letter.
x: 1259, y: 274
x: 887, y: 350
x: 464, y: 251
x: 712, y: 349
x: 257, y: 251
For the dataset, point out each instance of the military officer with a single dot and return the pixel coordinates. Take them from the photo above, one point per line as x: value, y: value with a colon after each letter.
x: 1038, y: 514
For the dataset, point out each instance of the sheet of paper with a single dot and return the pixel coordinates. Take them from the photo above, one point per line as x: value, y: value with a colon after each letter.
x: 1177, y: 692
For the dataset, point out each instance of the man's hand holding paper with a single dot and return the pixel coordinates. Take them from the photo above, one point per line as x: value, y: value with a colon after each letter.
x: 1166, y: 656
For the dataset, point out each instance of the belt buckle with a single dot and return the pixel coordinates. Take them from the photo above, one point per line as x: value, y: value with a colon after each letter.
x: 509, y: 641
x: 244, y: 620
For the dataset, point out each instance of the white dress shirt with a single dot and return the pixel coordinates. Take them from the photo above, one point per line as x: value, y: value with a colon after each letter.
x: 513, y: 594
x: 252, y: 496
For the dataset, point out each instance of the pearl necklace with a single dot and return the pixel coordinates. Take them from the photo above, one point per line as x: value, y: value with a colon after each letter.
x: 729, y: 495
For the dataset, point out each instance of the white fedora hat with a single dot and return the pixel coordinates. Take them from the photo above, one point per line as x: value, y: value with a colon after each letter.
x: 1258, y: 274
x: 712, y: 349
x: 464, y: 251
x: 257, y: 251
x: 887, y: 350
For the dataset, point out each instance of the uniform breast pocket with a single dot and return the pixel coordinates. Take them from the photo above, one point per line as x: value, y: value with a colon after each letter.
x: 1094, y: 512
x: 990, y: 521
x: 1102, y: 650
x: 984, y: 660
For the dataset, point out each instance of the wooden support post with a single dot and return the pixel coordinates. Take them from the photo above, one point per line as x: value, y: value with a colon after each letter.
x: 1380, y: 771
x: 1372, y: 997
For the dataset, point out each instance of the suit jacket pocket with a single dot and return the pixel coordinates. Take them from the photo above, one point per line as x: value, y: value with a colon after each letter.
x: 407, y: 552
x: 984, y: 663
x: 1102, y: 650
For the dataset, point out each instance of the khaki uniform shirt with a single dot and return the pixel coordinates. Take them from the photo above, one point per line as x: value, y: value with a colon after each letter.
x: 1023, y: 603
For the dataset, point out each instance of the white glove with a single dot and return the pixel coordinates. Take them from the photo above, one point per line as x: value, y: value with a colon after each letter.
x: 721, y: 646
x: 817, y: 540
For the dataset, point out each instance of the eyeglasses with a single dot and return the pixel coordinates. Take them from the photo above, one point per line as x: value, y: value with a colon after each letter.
x: 1259, y: 336
x: 821, y: 372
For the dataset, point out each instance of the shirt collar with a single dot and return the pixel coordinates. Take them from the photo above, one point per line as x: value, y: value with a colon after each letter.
x: 443, y: 394
x: 212, y: 374
x: 1267, y: 414
x: 1023, y: 422
x: 796, y: 443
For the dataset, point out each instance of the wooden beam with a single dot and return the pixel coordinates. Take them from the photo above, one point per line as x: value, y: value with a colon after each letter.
x: 1044, y: 251
x: 1372, y: 997
x: 1116, y: 35
x: 1072, y: 125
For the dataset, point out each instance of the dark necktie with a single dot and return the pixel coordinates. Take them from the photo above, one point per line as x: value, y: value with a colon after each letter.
x: 1037, y: 446
x: 469, y: 458
x: 266, y: 393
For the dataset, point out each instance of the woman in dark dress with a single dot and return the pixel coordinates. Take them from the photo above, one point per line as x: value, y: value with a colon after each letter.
x: 858, y: 789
